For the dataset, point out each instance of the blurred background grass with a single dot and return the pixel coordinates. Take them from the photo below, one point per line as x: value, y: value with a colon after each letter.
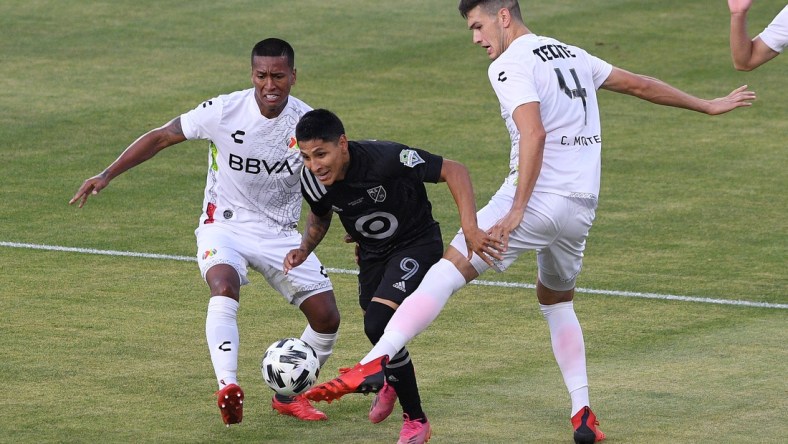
x: 113, y: 348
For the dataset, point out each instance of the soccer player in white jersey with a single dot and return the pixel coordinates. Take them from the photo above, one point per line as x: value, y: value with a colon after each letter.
x: 547, y: 90
x: 251, y: 207
x: 747, y: 53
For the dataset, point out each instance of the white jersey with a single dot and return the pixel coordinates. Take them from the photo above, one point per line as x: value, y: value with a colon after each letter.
x: 254, y: 164
x: 564, y: 80
x: 776, y: 34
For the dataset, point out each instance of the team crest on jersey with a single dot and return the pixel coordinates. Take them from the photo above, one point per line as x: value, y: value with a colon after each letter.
x: 410, y: 158
x: 378, y: 194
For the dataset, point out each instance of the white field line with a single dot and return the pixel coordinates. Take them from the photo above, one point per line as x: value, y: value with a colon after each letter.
x: 627, y: 294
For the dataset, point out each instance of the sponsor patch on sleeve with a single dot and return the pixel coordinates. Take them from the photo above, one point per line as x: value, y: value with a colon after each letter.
x: 410, y: 158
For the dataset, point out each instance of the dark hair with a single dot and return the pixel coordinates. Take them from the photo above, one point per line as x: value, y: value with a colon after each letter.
x: 273, y: 47
x: 319, y: 124
x: 490, y: 6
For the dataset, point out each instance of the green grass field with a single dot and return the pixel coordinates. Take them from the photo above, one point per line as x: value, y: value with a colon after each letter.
x: 104, y: 348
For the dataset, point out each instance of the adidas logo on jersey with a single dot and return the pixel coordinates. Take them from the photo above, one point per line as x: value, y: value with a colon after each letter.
x: 400, y: 286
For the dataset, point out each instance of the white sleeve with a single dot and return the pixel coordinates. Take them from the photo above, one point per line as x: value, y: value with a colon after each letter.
x: 201, y: 122
x: 600, y: 69
x: 776, y: 34
x: 513, y: 83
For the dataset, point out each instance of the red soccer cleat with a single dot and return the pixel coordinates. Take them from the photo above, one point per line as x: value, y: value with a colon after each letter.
x: 586, y: 427
x: 298, y: 407
x: 349, y: 382
x: 231, y: 404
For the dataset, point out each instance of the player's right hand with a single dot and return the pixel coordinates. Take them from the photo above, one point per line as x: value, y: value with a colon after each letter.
x: 89, y: 187
x: 484, y: 245
x: 739, y: 6
x: 294, y: 258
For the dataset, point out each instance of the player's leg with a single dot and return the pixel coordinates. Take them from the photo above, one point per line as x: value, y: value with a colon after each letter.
x: 307, y: 287
x: 558, y: 265
x: 402, y: 274
x: 224, y: 270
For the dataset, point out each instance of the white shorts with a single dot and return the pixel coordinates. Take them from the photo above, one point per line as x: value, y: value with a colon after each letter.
x: 217, y: 244
x: 554, y: 226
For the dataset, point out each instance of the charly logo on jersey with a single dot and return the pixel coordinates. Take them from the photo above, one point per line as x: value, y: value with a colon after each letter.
x: 237, y: 136
x: 292, y: 143
x: 378, y: 194
x: 410, y: 158
x: 502, y: 76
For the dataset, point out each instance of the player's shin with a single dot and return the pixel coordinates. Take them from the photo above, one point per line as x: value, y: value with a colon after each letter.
x: 221, y: 331
x: 569, y: 350
x: 322, y: 343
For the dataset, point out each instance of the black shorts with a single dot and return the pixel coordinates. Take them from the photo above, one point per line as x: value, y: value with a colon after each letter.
x: 395, y: 277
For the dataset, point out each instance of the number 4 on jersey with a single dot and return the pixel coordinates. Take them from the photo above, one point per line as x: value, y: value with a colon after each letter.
x: 579, y: 91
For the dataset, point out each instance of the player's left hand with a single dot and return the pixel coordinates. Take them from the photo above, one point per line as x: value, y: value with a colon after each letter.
x: 740, y: 96
x: 349, y: 240
x: 294, y: 258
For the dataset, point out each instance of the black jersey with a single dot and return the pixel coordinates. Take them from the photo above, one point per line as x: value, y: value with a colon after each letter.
x: 382, y: 201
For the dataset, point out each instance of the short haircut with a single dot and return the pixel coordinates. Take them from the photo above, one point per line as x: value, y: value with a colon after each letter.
x: 273, y: 47
x: 319, y: 124
x: 491, y: 7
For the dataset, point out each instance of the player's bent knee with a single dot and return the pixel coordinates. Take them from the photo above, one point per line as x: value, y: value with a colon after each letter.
x: 321, y: 311
x: 555, y: 283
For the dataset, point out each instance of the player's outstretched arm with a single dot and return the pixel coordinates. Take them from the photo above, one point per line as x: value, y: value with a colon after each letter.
x: 747, y: 53
x: 142, y: 149
x: 314, y: 232
x: 659, y: 92
x: 457, y: 178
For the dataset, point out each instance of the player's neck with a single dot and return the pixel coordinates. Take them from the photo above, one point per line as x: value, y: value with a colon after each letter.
x: 515, y: 32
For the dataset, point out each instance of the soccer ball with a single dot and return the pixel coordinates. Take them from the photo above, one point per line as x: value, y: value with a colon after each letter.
x: 290, y: 366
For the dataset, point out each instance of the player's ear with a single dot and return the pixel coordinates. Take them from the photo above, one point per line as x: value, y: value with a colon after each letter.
x: 294, y: 77
x: 505, y: 17
x: 342, y: 142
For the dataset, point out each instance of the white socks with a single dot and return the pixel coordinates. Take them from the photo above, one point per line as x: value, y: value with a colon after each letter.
x: 569, y: 350
x: 221, y: 331
x: 323, y: 343
x: 419, y: 309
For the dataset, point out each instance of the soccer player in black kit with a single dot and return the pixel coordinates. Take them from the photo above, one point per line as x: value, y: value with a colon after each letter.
x: 377, y: 190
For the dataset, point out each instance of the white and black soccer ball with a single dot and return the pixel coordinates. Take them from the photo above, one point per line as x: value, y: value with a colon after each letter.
x: 290, y: 366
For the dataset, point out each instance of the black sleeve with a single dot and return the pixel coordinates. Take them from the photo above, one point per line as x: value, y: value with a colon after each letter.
x: 432, y: 166
x: 416, y: 161
x: 313, y: 192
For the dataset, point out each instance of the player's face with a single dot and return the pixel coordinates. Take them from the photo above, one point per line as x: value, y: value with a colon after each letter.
x: 487, y: 31
x: 272, y: 79
x: 328, y: 161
